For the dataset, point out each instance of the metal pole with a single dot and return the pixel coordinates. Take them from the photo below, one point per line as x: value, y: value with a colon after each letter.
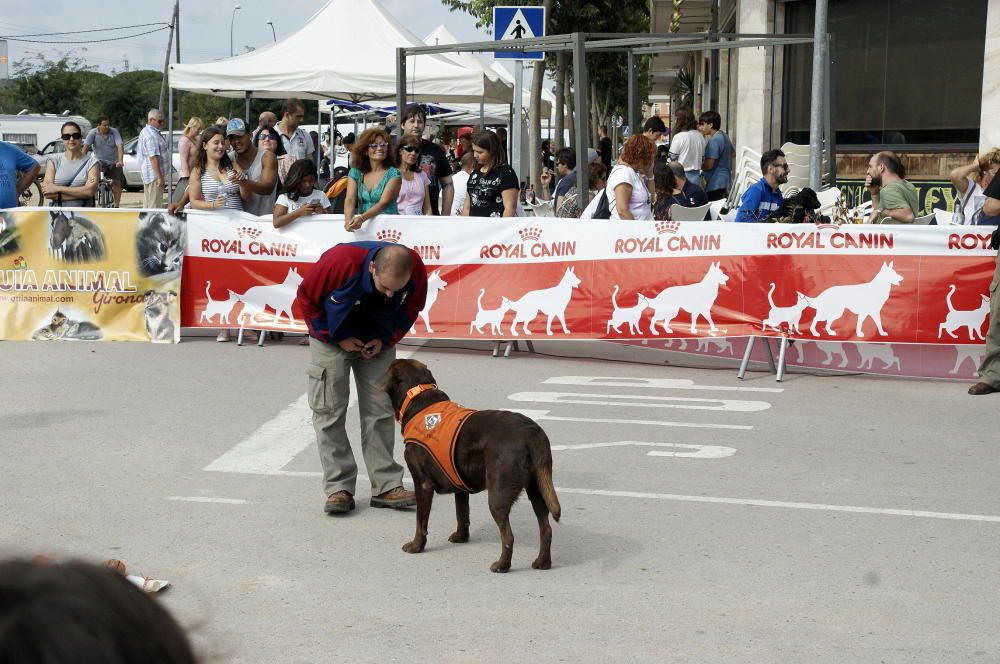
x: 400, y: 85
x: 177, y: 48
x: 166, y: 61
x: 482, y: 113
x: 246, y: 106
x: 713, y: 68
x: 580, y: 112
x: 831, y: 136
x: 816, y: 107
x: 319, y: 135
x: 516, y: 132
x: 633, y: 93
x: 170, y: 141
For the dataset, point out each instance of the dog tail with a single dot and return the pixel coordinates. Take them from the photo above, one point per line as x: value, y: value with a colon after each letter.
x: 541, y: 457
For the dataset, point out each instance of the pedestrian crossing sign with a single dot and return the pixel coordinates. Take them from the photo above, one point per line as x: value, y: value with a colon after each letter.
x: 514, y: 23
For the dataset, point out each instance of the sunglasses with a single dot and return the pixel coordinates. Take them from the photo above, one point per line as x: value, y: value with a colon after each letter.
x: 378, y: 146
x: 409, y: 148
x: 75, y: 135
x: 266, y: 137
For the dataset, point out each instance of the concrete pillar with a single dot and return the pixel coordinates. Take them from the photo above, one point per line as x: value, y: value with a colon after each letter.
x: 753, y: 77
x: 989, y: 128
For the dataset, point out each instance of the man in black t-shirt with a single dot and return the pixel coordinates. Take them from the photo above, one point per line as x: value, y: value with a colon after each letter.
x: 433, y: 160
x: 989, y: 371
x: 604, y: 146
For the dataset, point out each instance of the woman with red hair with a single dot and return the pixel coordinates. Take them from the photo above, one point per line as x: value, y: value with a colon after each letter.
x: 628, y: 197
x: 373, y: 181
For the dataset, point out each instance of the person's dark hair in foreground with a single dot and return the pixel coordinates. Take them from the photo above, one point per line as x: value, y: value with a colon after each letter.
x: 76, y: 612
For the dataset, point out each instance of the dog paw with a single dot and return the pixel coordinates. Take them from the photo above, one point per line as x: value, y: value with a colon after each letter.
x: 542, y: 563
x: 458, y: 537
x: 413, y: 547
x: 500, y: 567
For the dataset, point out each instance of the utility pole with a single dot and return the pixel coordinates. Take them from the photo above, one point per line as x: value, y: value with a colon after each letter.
x: 177, y: 51
x: 166, y: 61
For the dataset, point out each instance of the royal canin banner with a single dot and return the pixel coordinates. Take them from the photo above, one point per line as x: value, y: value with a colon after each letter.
x: 570, y: 279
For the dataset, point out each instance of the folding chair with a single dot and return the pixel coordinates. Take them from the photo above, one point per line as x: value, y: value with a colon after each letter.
x: 681, y: 213
x: 943, y: 217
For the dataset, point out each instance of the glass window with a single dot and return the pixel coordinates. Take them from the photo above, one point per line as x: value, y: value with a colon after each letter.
x: 904, y: 71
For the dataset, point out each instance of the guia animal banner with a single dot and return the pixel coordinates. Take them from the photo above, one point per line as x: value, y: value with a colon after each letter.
x: 566, y: 279
x: 85, y: 274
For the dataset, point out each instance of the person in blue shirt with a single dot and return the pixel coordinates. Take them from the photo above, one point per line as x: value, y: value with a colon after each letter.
x: 764, y: 196
x: 12, y: 160
x: 717, y: 167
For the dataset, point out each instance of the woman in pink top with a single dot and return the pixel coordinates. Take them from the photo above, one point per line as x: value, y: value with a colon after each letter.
x: 414, y: 194
x: 187, y: 150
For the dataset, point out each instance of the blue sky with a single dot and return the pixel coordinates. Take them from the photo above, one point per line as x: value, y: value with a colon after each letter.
x: 204, y: 26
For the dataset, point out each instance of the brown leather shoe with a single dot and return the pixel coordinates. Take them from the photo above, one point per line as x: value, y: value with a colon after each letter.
x: 397, y: 498
x: 982, y: 388
x: 339, y: 502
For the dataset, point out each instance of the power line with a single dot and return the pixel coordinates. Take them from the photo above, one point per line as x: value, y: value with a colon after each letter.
x: 79, y: 32
x: 87, y: 41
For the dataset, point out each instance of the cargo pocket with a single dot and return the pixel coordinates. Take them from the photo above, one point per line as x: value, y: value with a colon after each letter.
x: 319, y: 397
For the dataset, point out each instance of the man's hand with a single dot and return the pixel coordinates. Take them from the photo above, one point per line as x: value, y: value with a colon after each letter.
x: 119, y: 164
x: 352, y: 345
x: 372, y: 348
x: 871, y: 188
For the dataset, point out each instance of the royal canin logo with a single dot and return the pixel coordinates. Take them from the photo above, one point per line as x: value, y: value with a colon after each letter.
x: 430, y: 253
x: 389, y: 235
x: 667, y: 227
x: 247, y: 233
x: 530, y: 233
x: 828, y: 227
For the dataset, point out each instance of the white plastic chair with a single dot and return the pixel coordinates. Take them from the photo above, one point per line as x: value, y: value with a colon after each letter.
x: 730, y: 216
x: 681, y: 213
x: 715, y: 209
x: 943, y: 217
x: 542, y: 209
x: 924, y: 220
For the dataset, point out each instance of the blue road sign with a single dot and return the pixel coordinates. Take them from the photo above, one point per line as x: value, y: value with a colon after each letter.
x: 513, y: 23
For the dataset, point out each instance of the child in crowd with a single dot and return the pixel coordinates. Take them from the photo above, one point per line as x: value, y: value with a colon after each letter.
x: 299, y: 196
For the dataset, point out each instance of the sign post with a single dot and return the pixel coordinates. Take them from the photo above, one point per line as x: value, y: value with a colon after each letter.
x: 509, y: 25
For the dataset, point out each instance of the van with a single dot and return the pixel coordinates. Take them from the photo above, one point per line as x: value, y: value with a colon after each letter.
x: 33, y: 131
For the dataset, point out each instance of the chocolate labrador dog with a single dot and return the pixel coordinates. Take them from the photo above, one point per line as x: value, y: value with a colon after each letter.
x: 496, y: 450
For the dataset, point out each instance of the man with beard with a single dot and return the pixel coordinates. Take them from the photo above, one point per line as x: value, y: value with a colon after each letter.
x: 433, y: 160
x: 894, y: 200
x: 764, y: 196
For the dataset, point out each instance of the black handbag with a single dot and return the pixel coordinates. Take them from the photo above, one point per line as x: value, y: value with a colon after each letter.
x: 603, y: 209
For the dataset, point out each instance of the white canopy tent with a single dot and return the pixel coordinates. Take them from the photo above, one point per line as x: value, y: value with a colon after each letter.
x: 346, y: 50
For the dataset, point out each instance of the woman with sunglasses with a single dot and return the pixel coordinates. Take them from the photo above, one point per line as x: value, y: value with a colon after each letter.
x: 71, y: 178
x: 374, y: 182
x: 414, y: 192
x: 268, y: 139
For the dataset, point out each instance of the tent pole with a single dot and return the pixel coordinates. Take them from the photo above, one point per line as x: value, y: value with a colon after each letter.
x: 333, y: 139
x: 816, y: 111
x: 516, y: 126
x: 170, y: 135
x: 580, y: 103
x: 482, y: 114
x: 400, y: 85
x: 319, y: 135
x: 633, y: 92
x: 246, y: 107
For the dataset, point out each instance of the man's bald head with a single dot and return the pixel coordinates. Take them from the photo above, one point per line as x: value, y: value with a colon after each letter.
x: 394, y: 260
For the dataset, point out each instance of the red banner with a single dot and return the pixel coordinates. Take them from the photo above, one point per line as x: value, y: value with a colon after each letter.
x: 618, y: 280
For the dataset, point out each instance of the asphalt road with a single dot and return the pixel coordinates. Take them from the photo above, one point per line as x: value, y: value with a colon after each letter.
x: 823, y: 519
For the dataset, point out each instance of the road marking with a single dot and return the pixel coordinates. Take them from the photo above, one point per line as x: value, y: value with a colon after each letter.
x: 753, y: 502
x: 208, y: 499
x: 641, y: 401
x: 696, y: 451
x: 653, y: 383
x: 278, y: 441
x: 543, y: 415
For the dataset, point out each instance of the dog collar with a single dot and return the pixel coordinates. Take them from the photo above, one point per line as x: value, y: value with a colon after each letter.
x: 410, y: 393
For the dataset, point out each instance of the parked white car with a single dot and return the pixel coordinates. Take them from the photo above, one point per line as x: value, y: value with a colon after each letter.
x: 132, y: 175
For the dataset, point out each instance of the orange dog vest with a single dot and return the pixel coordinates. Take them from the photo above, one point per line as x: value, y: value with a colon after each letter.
x: 436, y: 429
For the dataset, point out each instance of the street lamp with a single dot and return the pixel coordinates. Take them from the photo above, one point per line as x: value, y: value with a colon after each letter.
x: 273, y: 35
x: 232, y: 22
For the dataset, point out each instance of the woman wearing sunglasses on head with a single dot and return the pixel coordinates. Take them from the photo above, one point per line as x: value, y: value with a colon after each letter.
x: 373, y: 182
x: 414, y: 191
x: 71, y: 178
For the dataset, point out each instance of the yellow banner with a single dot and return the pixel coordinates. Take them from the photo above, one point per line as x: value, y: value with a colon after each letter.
x: 86, y: 274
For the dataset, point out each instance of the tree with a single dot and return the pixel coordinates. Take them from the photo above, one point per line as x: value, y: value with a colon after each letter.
x: 42, y: 85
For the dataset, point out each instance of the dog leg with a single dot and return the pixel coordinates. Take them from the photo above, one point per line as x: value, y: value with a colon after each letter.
x: 425, y: 496
x: 500, y: 503
x: 544, y: 559
x: 461, y: 533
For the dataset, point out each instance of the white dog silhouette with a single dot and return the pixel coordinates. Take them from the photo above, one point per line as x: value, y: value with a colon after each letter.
x: 222, y: 308
x: 866, y: 300
x: 697, y: 299
x: 881, y: 352
x: 550, y: 301
x: 965, y: 353
x: 971, y: 319
x: 434, y: 284
x: 277, y: 296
